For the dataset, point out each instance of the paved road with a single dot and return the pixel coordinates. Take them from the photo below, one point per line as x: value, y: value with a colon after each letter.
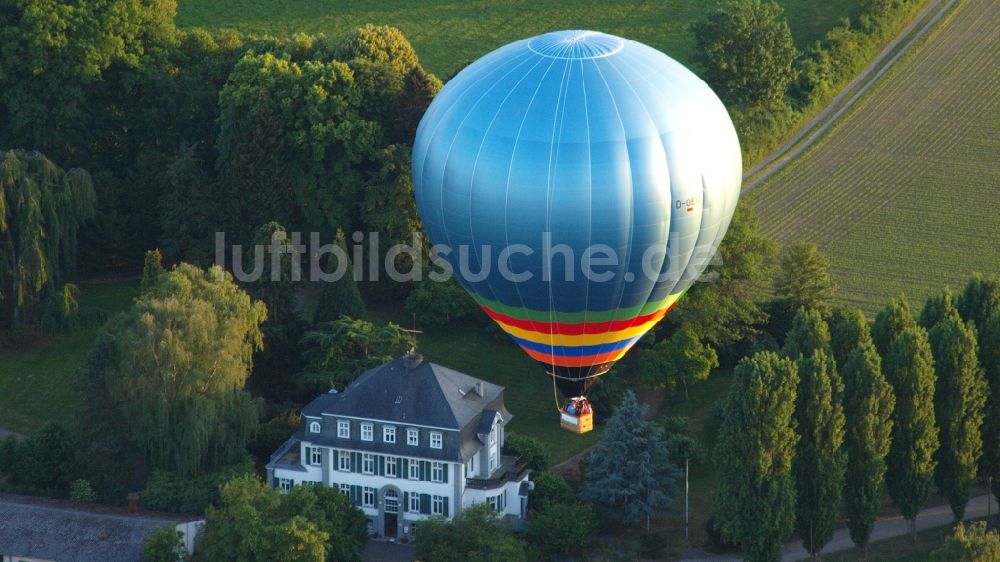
x: 843, y: 101
x: 379, y: 551
x: 937, y: 516
x: 4, y: 434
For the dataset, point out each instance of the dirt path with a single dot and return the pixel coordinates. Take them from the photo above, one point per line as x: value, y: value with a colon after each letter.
x: 815, y: 127
x: 4, y: 434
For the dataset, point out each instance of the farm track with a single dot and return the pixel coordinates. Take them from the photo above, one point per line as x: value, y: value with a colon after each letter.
x: 902, y: 192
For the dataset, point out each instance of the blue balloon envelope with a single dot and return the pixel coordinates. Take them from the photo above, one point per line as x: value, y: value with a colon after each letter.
x: 580, y: 183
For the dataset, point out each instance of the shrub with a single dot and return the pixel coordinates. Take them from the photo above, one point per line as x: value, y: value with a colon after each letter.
x: 529, y: 449
x: 80, y: 491
x: 563, y: 528
x: 653, y: 544
x: 166, y: 544
x: 969, y: 543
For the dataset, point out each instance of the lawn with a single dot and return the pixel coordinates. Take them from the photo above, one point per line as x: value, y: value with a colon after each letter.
x: 468, y: 347
x: 447, y: 33
x: 36, y: 381
x: 901, y: 194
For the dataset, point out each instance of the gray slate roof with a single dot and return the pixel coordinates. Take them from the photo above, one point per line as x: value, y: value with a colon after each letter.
x: 406, y: 392
x: 410, y: 391
x: 68, y: 532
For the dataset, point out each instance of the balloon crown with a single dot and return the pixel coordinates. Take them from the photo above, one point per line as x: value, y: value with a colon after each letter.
x: 576, y: 44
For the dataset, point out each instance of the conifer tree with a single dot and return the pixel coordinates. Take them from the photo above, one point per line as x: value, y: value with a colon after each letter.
x: 849, y: 330
x: 989, y: 353
x: 808, y: 334
x: 629, y: 473
x: 937, y: 308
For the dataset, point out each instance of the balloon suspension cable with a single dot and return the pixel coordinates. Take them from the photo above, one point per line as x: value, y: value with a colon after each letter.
x: 555, y: 393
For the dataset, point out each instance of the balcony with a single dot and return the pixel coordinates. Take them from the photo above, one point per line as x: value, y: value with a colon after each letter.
x: 511, y: 469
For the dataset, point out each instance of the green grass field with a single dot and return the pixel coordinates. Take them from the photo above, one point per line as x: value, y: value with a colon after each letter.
x: 465, y: 346
x: 902, y: 193
x: 36, y: 381
x: 447, y: 33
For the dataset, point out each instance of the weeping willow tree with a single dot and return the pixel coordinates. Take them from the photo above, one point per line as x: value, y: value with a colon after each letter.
x: 172, y: 371
x: 42, y: 208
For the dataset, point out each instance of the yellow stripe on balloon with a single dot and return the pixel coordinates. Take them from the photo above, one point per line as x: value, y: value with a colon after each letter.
x: 588, y: 339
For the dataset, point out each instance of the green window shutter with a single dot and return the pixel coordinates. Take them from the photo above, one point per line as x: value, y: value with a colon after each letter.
x: 425, y: 470
x: 381, y: 465
x: 308, y: 460
x: 274, y: 483
x: 355, y: 462
x: 406, y: 502
x: 446, y: 502
x: 356, y: 494
x: 336, y: 460
x: 406, y: 469
x: 447, y: 469
x: 425, y: 504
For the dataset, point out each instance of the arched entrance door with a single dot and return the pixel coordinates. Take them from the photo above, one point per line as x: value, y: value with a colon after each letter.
x: 390, y: 513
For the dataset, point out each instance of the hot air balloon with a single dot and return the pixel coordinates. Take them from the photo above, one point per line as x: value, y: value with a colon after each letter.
x: 567, y: 151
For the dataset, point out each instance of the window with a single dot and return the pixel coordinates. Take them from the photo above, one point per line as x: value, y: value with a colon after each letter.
x: 368, y: 497
x: 414, y: 503
x: 437, y: 472
x: 368, y: 464
x: 345, y: 461
x: 343, y: 429
x: 498, y: 502
x: 413, y: 437
x: 493, y: 461
x: 414, y: 470
x: 388, y: 434
x: 493, y: 435
x: 470, y: 466
x: 435, y: 440
x: 437, y: 505
x: 285, y: 484
x: 346, y: 488
x: 367, y: 432
x: 390, y: 467
x: 315, y: 456
x: 314, y: 427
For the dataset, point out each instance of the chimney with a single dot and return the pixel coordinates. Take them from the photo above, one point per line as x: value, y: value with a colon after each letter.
x: 479, y: 389
x: 413, y: 359
x: 133, y: 502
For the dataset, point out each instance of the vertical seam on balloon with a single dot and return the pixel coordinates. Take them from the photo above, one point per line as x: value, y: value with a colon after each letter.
x: 590, y: 190
x: 454, y: 140
x: 559, y: 121
x: 475, y: 165
x: 628, y: 248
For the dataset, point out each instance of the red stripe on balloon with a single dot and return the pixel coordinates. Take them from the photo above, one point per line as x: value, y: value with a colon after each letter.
x: 579, y: 328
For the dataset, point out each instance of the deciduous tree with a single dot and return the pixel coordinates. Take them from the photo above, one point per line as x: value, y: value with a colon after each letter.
x: 755, y: 501
x: 868, y: 407
x: 848, y: 331
x: 746, y: 51
x: 820, y: 459
x: 168, y: 375
x: 890, y: 322
x: 909, y: 368
x: 959, y: 401
x: 803, y: 279
x: 42, y: 209
x: 809, y: 333
x: 477, y: 533
x: 681, y: 358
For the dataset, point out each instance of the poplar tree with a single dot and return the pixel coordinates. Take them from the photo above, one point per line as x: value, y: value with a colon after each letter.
x: 979, y: 298
x: 938, y: 308
x: 959, y: 400
x: 989, y: 353
x: 909, y: 367
x: 808, y: 334
x: 868, y: 411
x: 819, y: 457
x: 849, y: 330
x: 755, y: 503
x: 890, y: 322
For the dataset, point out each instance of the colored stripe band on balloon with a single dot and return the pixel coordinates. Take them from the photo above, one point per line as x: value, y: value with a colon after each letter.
x: 578, y: 350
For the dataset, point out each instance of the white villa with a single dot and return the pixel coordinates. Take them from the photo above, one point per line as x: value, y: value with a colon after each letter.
x: 407, y: 440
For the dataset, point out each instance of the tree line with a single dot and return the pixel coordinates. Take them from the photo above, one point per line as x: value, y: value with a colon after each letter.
x: 817, y: 427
